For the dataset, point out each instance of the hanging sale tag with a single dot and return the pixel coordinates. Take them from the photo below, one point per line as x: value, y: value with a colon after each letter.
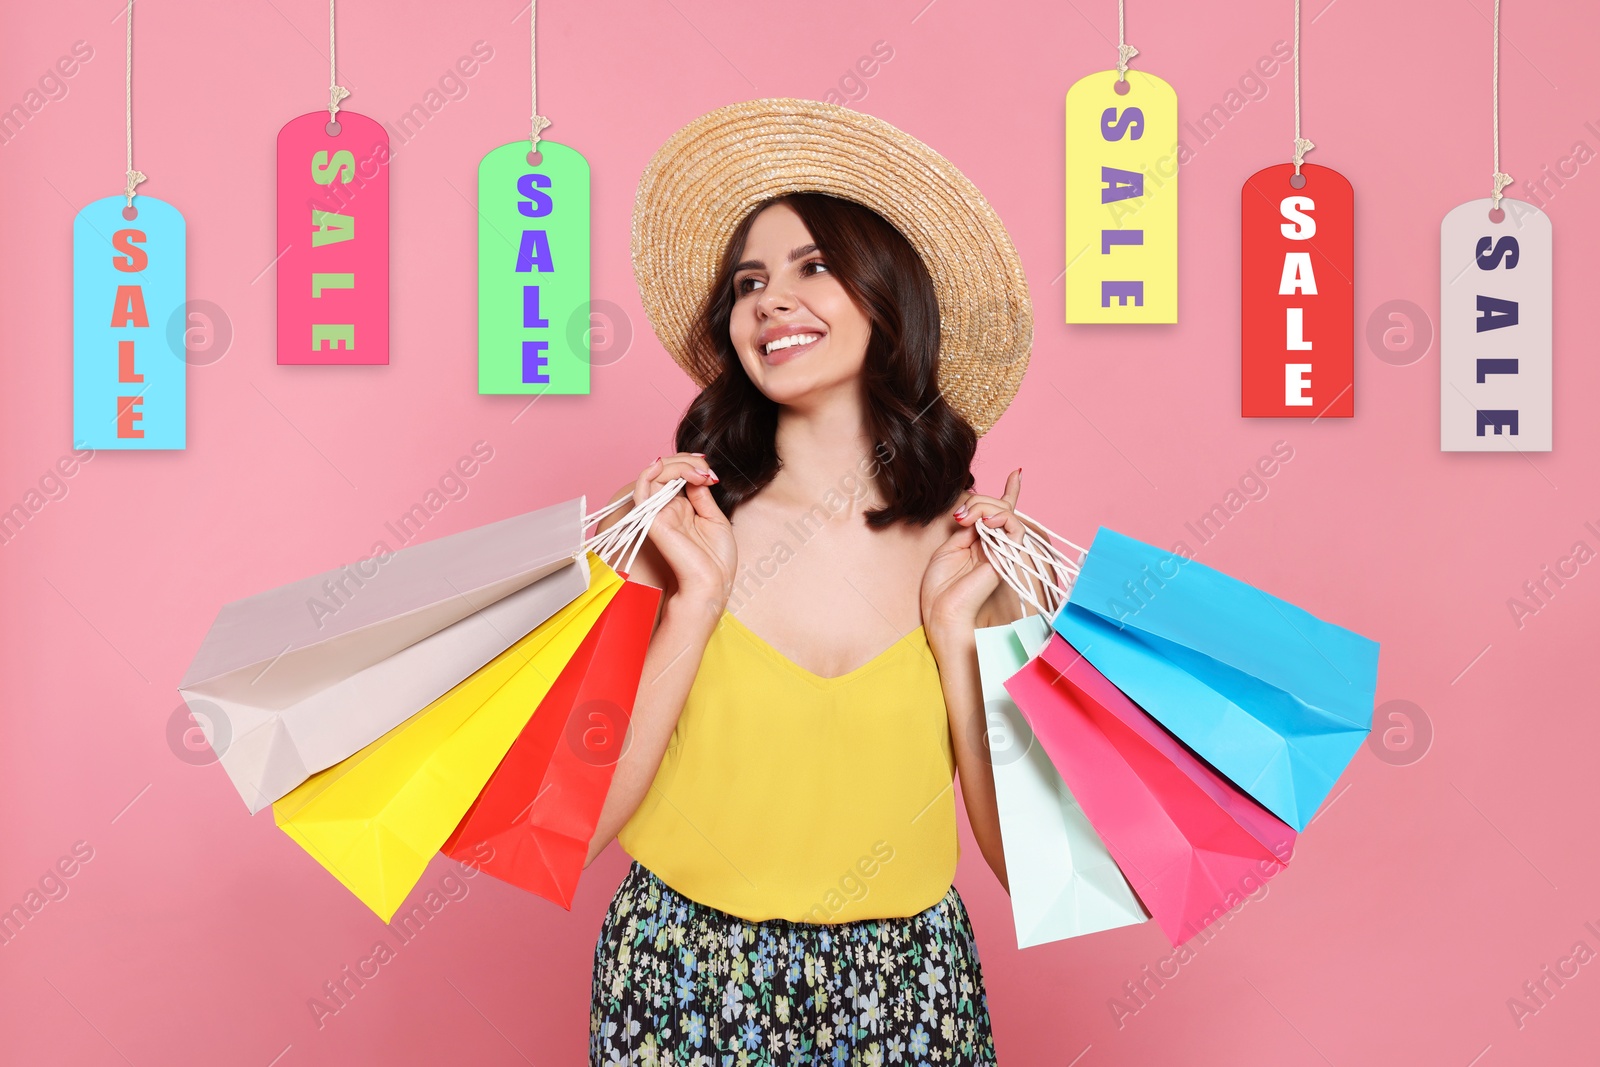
x: 1297, y: 294
x: 129, y: 280
x: 1495, y: 316
x: 533, y: 270
x: 333, y: 240
x: 1122, y: 199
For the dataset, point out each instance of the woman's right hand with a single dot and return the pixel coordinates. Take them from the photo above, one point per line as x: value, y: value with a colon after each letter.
x: 691, y: 532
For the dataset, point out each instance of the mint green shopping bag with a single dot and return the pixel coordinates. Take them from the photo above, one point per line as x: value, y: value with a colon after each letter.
x: 1064, y: 882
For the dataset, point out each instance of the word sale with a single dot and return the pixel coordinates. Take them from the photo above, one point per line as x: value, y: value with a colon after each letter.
x: 332, y: 228
x: 533, y: 254
x: 1298, y: 278
x: 128, y: 311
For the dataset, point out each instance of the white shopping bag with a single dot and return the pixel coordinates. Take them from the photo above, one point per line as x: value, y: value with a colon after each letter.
x: 292, y: 680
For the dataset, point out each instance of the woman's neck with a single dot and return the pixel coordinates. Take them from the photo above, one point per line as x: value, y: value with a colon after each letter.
x: 823, y: 448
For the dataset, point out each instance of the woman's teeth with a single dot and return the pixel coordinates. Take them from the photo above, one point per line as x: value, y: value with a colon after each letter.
x: 791, y: 340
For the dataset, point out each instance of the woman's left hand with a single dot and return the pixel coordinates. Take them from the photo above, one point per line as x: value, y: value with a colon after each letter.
x: 960, y: 578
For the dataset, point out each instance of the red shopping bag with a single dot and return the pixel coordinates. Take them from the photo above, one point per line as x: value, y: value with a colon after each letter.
x: 532, y: 823
x: 1190, y: 843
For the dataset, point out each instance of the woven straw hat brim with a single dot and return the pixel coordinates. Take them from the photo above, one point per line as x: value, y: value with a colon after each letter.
x: 713, y: 171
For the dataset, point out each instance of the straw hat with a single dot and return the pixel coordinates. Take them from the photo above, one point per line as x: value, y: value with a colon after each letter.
x: 709, y: 174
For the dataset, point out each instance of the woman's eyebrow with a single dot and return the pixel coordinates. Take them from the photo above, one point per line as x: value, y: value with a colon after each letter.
x: 794, y: 254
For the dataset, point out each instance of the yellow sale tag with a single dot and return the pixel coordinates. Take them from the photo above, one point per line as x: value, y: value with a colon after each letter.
x: 1122, y: 200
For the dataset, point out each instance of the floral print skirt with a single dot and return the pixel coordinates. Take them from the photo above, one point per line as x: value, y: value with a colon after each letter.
x: 681, y: 984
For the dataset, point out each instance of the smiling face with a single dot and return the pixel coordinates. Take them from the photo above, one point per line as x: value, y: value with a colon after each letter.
x: 795, y: 327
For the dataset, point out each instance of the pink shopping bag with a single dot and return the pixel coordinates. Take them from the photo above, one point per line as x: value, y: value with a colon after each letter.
x: 1190, y: 844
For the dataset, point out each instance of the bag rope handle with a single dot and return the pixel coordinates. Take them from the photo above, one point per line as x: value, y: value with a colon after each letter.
x: 628, y: 536
x: 1033, y: 558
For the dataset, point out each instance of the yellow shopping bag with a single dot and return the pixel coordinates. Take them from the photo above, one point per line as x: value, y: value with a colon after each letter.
x: 376, y: 819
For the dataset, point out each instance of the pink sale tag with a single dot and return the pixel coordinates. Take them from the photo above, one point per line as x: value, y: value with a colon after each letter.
x: 333, y: 240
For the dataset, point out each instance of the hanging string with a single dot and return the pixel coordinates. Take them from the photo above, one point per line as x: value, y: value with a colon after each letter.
x: 1501, y: 179
x: 134, y: 177
x: 539, y: 121
x: 336, y: 92
x: 1301, y: 145
x: 1125, y: 51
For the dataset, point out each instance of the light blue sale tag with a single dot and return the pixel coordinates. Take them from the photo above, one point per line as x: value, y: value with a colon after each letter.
x: 128, y: 285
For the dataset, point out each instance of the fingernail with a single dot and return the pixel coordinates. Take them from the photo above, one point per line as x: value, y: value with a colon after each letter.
x: 704, y: 472
x: 696, y: 453
x: 961, y: 512
x: 714, y: 478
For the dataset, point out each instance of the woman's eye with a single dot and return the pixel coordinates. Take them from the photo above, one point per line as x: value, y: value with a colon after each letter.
x: 747, y: 285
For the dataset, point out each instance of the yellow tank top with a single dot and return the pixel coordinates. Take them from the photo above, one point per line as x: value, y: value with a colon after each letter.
x: 784, y: 794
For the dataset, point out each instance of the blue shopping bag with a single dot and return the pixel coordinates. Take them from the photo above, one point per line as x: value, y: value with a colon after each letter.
x: 1274, y: 698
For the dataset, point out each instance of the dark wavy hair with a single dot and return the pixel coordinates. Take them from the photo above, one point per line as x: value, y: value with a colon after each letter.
x: 923, y: 448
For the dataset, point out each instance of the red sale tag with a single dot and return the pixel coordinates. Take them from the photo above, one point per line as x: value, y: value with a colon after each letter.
x: 1297, y: 294
x: 333, y: 240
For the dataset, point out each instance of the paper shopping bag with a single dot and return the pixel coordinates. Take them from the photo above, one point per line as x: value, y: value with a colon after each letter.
x: 1190, y: 844
x: 376, y: 819
x: 533, y: 822
x: 292, y: 680
x: 1063, y: 881
x: 1275, y: 698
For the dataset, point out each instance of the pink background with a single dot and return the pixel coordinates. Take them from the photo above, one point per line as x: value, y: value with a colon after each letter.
x: 1418, y: 903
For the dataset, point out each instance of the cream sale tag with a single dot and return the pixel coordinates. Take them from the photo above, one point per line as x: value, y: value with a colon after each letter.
x: 333, y: 240
x: 1121, y: 199
x: 129, y: 280
x: 1495, y: 319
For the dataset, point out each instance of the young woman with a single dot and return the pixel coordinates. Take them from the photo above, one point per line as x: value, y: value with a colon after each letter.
x: 811, y: 689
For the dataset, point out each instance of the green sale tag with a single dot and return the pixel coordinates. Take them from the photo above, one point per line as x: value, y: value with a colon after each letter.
x: 533, y: 270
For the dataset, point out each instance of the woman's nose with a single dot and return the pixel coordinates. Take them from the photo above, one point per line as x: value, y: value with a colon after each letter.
x: 775, y: 296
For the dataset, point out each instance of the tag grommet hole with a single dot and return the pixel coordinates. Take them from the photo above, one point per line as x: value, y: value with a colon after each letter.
x: 130, y: 212
x: 1122, y: 87
x: 1298, y: 181
x: 333, y: 128
x: 1497, y: 215
x: 535, y: 158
